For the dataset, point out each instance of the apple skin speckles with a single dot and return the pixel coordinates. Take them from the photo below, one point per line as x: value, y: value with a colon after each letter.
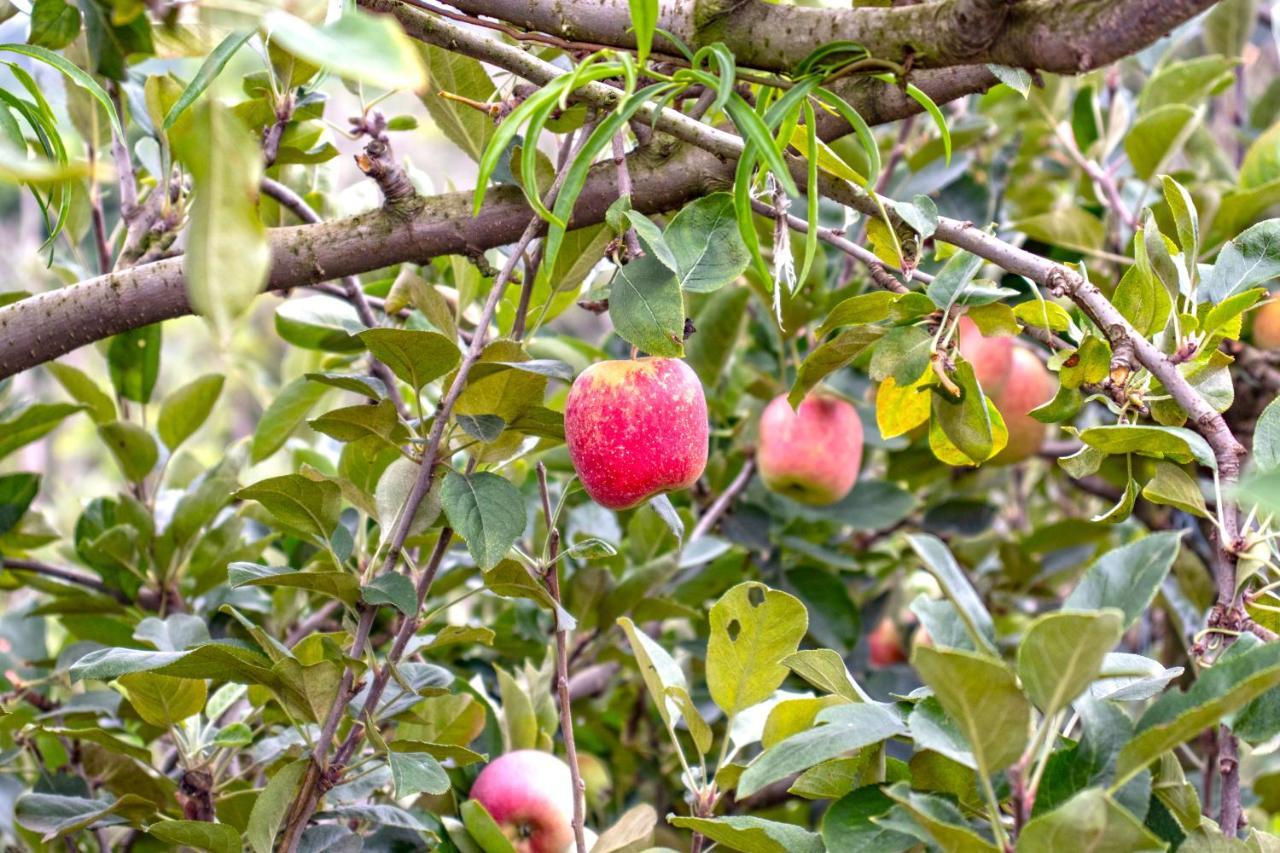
x: 636, y: 428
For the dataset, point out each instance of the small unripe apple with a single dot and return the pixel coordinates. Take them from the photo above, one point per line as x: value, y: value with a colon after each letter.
x: 529, y: 794
x: 884, y: 645
x: 1266, y: 326
x: 1029, y: 386
x: 635, y: 429
x: 810, y: 454
x: 992, y: 358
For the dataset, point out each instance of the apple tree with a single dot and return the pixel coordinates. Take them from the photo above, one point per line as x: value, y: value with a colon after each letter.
x: 552, y: 425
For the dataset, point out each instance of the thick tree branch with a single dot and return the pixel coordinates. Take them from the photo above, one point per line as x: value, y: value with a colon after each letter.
x: 1063, y: 36
x: 48, y: 325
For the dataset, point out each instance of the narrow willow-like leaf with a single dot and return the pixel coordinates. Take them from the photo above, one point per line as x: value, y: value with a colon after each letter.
x: 644, y: 19
x: 209, y: 70
x: 76, y: 75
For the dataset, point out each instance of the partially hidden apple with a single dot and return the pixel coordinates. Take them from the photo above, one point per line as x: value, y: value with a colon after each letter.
x: 529, y: 794
x: 1016, y: 381
x: 991, y: 357
x: 1266, y: 326
x: 636, y: 428
x: 884, y: 645
x: 1030, y: 385
x: 810, y: 454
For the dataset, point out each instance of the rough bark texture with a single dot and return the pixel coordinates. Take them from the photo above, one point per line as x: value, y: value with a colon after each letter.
x: 45, y: 326
x: 1065, y: 36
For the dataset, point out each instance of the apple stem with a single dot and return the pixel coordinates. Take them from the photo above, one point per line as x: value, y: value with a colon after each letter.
x: 551, y: 577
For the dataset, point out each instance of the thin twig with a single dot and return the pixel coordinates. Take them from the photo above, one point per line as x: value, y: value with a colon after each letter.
x: 69, y: 575
x: 308, y: 795
x: 629, y: 237
x: 99, y: 220
x: 351, y: 289
x: 723, y: 502
x: 551, y: 576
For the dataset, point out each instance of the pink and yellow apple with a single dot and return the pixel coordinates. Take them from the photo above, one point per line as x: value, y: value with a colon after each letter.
x: 1266, y: 326
x: 810, y: 454
x: 991, y: 357
x: 529, y: 794
x: 1016, y: 381
x: 1028, y: 386
x: 635, y: 429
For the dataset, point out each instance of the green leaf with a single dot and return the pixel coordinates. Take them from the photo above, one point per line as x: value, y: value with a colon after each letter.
x: 199, y: 834
x: 1157, y: 135
x: 839, y: 729
x: 1016, y: 79
x: 359, y: 46
x: 848, y: 824
x: 903, y: 354
x: 707, y: 244
x: 308, y: 505
x: 1186, y: 82
x: 969, y: 422
x: 17, y: 491
x: 753, y: 628
x: 417, y: 773
x: 659, y: 671
x: 465, y: 127
x: 864, y: 308
x: 219, y: 661
x: 1175, y: 718
x: 1159, y: 442
x: 133, y: 447
x: 1250, y: 259
x: 1069, y: 227
x: 1127, y: 578
x: 752, y: 834
x: 981, y: 695
x: 56, y: 815
x: 1174, y: 487
x: 85, y: 391
x: 1185, y: 218
x: 208, y: 72
x: 830, y: 357
x: 1228, y: 26
x: 416, y: 356
x: 1088, y: 821
x: 186, y: 409
x: 1061, y: 654
x: 392, y: 493
x: 948, y: 285
x: 394, y: 589
x: 227, y: 255
x: 74, y: 74
x: 163, y: 700
x: 133, y: 359
x: 825, y: 670
x: 32, y: 423
x: 647, y: 308
x: 340, y: 585
x: 353, y: 423
x: 272, y: 805
x: 1141, y: 298
x: 941, y: 819
x: 956, y: 587
x: 482, y: 828
x: 487, y: 511
x: 319, y: 323
x: 644, y: 19
x: 54, y: 24
x: 283, y: 416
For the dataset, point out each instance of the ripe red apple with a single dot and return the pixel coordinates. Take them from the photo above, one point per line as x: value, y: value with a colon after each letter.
x: 636, y: 428
x: 992, y: 358
x: 810, y: 454
x: 884, y: 645
x: 1029, y: 385
x: 1266, y: 326
x: 529, y: 794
